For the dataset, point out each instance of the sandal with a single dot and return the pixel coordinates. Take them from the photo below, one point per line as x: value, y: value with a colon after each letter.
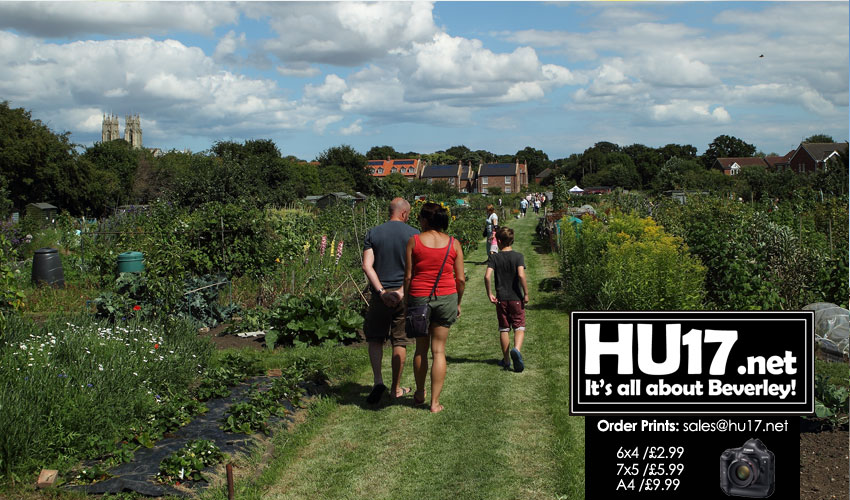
x: 376, y: 394
x: 417, y: 401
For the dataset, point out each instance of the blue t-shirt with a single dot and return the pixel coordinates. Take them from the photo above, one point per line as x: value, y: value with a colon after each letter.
x: 389, y: 243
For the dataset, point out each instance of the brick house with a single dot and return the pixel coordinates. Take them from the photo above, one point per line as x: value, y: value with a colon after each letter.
x: 809, y: 157
x: 542, y: 176
x: 467, y: 179
x: 779, y: 163
x: 509, y: 177
x: 408, y: 167
x: 733, y: 166
x: 450, y: 174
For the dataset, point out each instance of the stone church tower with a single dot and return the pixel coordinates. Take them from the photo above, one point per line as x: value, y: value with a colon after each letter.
x: 109, y: 130
x: 132, y: 130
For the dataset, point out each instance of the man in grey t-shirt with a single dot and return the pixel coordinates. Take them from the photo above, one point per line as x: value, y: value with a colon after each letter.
x: 383, y: 262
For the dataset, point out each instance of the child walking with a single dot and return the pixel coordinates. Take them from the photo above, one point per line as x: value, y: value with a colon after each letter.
x: 510, y: 298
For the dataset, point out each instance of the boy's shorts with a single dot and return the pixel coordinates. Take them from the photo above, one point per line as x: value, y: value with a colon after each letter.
x: 384, y: 322
x: 511, y: 314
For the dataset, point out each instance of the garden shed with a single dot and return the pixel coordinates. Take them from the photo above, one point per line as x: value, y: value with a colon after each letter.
x: 42, y: 211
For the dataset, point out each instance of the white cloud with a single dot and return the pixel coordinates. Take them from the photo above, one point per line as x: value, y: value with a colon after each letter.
x: 322, y: 123
x: 343, y: 33
x: 330, y: 91
x: 178, y: 84
x: 353, y: 129
x: 228, y: 46
x: 59, y: 19
x: 675, y: 70
x: 776, y: 93
x: 685, y: 112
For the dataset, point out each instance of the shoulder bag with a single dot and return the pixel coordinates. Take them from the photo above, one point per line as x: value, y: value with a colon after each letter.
x: 418, y: 318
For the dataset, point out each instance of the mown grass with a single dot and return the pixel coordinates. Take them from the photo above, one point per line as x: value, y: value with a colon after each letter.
x: 502, y: 434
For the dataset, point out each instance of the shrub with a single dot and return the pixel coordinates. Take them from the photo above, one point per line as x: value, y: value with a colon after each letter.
x: 630, y: 263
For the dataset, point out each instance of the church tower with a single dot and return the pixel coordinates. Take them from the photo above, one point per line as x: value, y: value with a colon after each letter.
x: 109, y: 129
x: 133, y: 131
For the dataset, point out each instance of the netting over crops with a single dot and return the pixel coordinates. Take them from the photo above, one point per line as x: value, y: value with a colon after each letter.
x: 832, y: 327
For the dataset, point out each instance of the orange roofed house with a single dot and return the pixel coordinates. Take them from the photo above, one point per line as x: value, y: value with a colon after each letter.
x: 410, y: 168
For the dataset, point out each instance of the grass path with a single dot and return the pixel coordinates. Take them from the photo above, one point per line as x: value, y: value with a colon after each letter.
x: 503, y: 434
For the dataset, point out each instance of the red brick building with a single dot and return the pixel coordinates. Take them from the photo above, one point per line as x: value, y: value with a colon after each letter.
x: 810, y: 156
x: 509, y: 177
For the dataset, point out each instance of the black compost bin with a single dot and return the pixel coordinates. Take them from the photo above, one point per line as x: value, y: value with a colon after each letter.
x: 47, y: 267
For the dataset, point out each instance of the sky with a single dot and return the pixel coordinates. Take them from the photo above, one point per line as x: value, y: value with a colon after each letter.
x: 426, y: 76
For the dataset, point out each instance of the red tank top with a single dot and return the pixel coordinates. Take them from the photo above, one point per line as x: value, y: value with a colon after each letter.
x: 426, y: 265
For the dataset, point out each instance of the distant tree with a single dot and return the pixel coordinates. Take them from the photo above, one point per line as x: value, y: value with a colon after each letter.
x: 337, y: 179
x: 459, y: 152
x: 351, y: 161
x: 678, y: 173
x: 487, y: 157
x: 647, y: 161
x: 495, y: 191
x: 304, y: 179
x: 536, y: 159
x: 439, y: 158
x: 37, y: 164
x: 392, y: 186
x: 820, y: 138
x: 604, y: 147
x: 382, y: 153
x: 725, y: 146
x: 683, y: 152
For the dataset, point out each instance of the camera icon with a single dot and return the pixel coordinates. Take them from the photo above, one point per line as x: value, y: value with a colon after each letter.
x: 748, y: 471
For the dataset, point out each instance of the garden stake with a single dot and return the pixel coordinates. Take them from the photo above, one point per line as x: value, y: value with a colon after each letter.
x: 229, y: 481
x: 357, y: 286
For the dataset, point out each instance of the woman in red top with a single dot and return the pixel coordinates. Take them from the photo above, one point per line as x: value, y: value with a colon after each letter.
x: 425, y: 253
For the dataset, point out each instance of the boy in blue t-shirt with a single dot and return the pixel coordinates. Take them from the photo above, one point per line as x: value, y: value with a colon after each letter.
x: 510, y: 298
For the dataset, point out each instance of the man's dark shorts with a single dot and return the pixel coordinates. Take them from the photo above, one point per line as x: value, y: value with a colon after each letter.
x: 383, y: 322
x: 511, y: 314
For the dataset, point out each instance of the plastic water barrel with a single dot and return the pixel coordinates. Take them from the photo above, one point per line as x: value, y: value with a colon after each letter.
x: 131, y: 262
x: 47, y: 267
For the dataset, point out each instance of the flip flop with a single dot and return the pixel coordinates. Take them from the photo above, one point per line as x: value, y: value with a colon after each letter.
x: 376, y: 394
x: 519, y: 365
x: 505, y: 366
x: 404, y: 392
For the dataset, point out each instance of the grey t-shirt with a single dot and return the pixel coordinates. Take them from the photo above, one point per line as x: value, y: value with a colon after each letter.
x: 504, y: 265
x: 389, y: 242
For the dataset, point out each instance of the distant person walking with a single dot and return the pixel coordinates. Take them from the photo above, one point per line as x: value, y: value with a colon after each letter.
x: 510, y: 298
x: 383, y: 263
x: 426, y: 252
x: 492, y: 222
x: 523, y: 206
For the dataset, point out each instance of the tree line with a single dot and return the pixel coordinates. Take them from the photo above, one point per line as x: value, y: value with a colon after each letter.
x: 39, y: 165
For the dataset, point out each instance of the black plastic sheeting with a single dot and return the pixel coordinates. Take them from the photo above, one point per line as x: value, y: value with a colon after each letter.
x: 139, y: 475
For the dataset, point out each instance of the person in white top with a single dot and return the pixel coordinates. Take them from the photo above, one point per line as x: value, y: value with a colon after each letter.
x: 492, y: 222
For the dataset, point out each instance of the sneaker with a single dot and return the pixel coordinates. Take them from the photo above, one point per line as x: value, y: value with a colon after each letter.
x: 505, y: 366
x: 519, y: 365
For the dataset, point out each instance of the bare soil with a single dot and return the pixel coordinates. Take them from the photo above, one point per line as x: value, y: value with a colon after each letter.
x: 824, y: 463
x: 230, y: 341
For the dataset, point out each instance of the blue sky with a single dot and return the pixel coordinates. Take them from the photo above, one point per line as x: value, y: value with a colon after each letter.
x: 419, y: 76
